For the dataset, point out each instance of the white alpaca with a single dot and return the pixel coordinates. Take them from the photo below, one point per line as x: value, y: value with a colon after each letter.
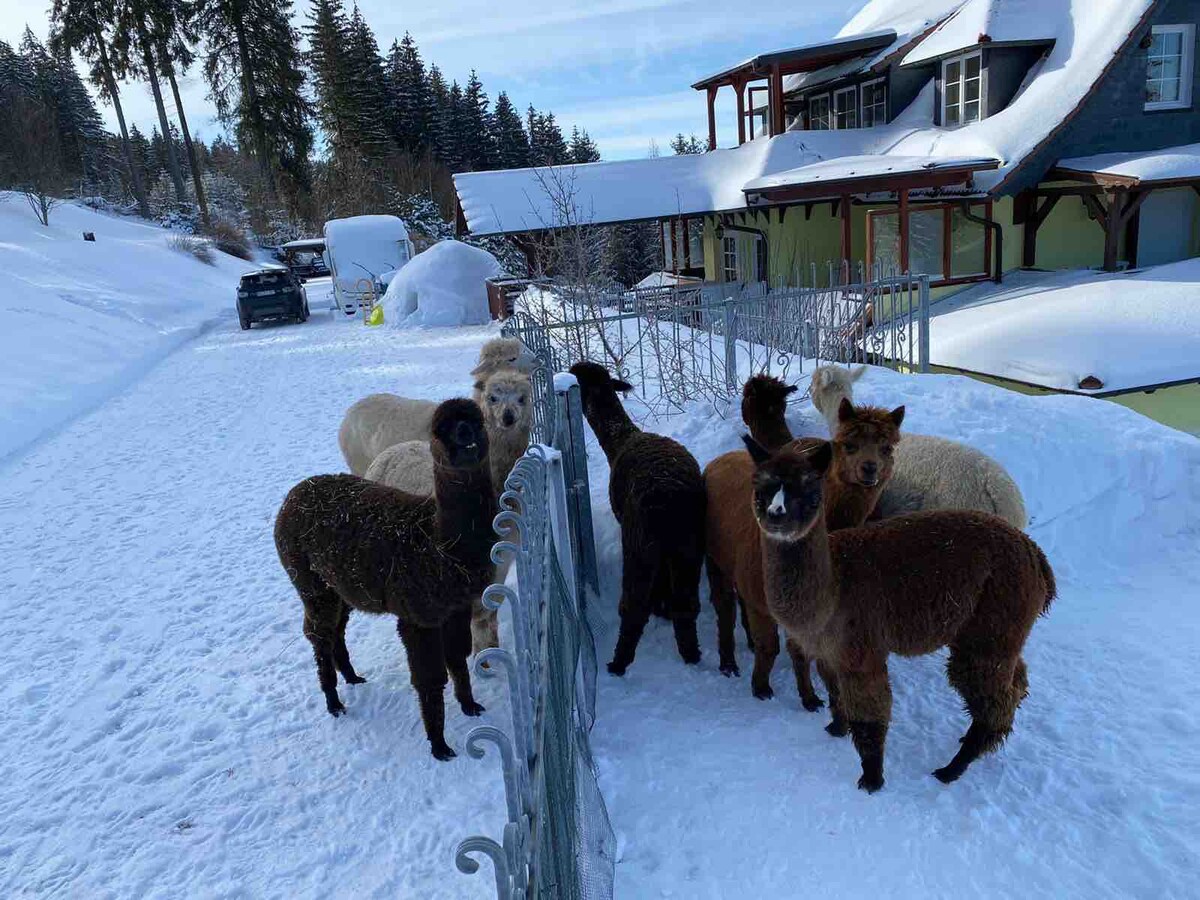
x: 931, y: 472
x: 508, y: 417
x: 380, y: 421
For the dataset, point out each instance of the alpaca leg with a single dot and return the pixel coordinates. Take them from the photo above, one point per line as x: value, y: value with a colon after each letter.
x: 635, y: 612
x: 838, y: 726
x: 427, y: 669
x: 746, y: 625
x: 320, y: 627
x: 866, y: 696
x: 484, y: 628
x: 456, y: 645
x: 683, y: 583
x: 808, y: 695
x: 992, y: 688
x: 766, y: 649
x: 724, y: 600
x: 341, y: 656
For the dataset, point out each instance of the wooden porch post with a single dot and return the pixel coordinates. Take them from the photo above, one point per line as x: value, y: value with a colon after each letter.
x: 775, y: 101
x: 904, y: 247
x: 1112, y: 228
x: 847, y: 247
x: 1132, y: 233
x: 712, y: 118
x: 674, y: 250
x: 740, y: 87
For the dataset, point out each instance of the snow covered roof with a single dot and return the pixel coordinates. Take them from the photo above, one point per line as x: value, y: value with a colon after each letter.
x: 853, y: 168
x: 1128, y: 330
x: 992, y: 22
x: 807, y: 55
x: 1170, y: 164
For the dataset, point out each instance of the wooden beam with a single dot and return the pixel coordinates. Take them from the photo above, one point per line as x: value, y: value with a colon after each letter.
x: 1097, y: 209
x: 740, y: 87
x: 847, y: 232
x: 1112, y: 228
x: 1035, y: 217
x: 775, y: 101
x: 674, y: 250
x: 874, y: 185
x: 902, y: 196
x: 712, y: 118
x: 1132, y: 232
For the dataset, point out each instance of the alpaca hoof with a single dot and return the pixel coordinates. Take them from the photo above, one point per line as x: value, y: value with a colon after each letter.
x: 615, y: 668
x: 471, y: 708
x: 837, y: 729
x: 691, y: 658
x: 946, y: 775
x: 812, y: 704
x: 336, y: 708
x: 355, y: 679
x: 730, y: 669
x: 870, y: 783
x: 763, y: 693
x: 443, y: 753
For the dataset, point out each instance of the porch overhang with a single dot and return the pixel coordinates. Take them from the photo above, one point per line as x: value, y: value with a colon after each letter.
x: 1152, y: 169
x: 795, y: 60
x: 847, y: 176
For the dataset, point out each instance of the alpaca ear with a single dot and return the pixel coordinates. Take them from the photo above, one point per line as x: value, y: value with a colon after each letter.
x: 792, y: 388
x: 623, y: 386
x: 758, y: 452
x: 818, y: 380
x: 858, y: 373
x: 898, y: 415
x: 845, y: 410
x: 821, y: 456
x: 479, y: 369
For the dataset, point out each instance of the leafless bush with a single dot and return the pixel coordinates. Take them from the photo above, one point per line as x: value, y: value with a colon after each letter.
x: 194, y: 246
x: 228, y: 238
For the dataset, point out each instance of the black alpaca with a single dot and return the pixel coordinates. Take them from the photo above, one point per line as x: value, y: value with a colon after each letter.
x: 348, y: 543
x: 657, y: 495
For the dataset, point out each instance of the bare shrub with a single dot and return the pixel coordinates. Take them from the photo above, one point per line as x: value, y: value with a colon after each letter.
x: 228, y: 238
x: 194, y: 246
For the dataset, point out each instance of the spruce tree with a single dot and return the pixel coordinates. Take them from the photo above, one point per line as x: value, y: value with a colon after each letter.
x: 366, y: 89
x: 478, y: 144
x: 508, y: 134
x: 455, y: 153
x: 583, y: 149
x: 440, y: 138
x: 327, y: 40
x: 411, y: 98
x: 686, y: 146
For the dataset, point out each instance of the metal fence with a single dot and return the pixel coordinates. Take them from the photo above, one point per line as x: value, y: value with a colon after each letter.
x: 688, y: 342
x: 557, y: 843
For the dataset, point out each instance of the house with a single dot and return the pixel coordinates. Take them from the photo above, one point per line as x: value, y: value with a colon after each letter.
x: 956, y: 139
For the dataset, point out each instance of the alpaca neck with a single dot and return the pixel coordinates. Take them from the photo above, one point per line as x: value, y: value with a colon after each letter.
x: 465, y: 509
x: 504, y: 449
x: 848, y: 505
x: 799, y: 578
x: 771, y: 433
x: 612, y: 425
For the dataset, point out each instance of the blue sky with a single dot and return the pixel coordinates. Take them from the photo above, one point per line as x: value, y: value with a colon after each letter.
x: 619, y: 68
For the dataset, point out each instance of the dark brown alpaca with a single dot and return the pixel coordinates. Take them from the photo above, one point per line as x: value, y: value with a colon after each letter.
x: 657, y: 496
x: 348, y: 543
x: 909, y: 585
x: 734, y: 557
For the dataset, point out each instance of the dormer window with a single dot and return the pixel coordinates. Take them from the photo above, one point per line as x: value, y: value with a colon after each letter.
x: 874, y: 103
x: 1169, y: 67
x: 962, y: 90
x: 845, y: 108
x: 818, y: 113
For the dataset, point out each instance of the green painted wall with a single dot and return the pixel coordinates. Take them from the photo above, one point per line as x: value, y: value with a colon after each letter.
x: 1068, y: 239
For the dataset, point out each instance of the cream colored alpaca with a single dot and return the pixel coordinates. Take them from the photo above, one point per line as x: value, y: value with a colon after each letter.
x: 508, y: 417
x: 931, y: 472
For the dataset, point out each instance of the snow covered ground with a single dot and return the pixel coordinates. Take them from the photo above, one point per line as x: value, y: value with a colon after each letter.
x: 166, y: 736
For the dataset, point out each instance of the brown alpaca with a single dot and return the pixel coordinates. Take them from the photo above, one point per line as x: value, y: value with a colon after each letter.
x: 348, y: 543
x: 734, y: 557
x: 910, y: 585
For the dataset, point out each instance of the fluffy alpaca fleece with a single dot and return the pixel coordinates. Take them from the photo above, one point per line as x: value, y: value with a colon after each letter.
x: 507, y: 403
x: 910, y: 585
x: 348, y: 543
x: 733, y: 552
x: 931, y: 472
x: 379, y: 421
x: 657, y: 496
x: 497, y: 355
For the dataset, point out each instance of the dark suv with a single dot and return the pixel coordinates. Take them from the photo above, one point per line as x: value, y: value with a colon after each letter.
x: 270, y: 294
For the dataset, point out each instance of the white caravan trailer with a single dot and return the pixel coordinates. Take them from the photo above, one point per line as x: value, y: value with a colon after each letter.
x: 361, y: 251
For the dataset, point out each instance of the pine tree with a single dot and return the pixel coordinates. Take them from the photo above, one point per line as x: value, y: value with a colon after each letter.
x: 327, y: 40
x: 478, y: 144
x: 439, y: 130
x: 583, y: 149
x: 411, y: 99
x: 547, y: 146
x: 455, y: 152
x: 366, y: 88
x: 685, y: 146
x: 508, y: 134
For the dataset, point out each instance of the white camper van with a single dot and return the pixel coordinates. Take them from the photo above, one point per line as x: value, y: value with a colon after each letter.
x: 362, y: 252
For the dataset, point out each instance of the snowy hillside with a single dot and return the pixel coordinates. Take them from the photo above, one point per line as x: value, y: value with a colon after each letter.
x: 81, y: 320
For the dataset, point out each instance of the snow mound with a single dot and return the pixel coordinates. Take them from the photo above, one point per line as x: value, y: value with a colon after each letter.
x: 444, y: 286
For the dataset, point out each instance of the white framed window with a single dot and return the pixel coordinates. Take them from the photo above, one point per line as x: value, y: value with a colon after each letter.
x: 818, y: 113
x: 729, y: 259
x: 874, y: 103
x: 1169, y: 64
x: 845, y: 108
x: 962, y: 90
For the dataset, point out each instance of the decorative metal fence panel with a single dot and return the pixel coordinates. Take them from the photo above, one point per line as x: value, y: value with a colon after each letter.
x: 688, y: 342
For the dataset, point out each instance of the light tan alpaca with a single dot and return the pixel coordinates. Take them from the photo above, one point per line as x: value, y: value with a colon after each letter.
x: 508, y: 417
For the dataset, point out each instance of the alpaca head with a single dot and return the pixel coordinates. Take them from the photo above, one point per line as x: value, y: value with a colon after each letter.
x: 765, y: 398
x: 596, y: 387
x: 865, y: 442
x: 789, y: 486
x: 504, y: 353
x: 507, y: 401
x: 459, y: 438
x: 830, y: 384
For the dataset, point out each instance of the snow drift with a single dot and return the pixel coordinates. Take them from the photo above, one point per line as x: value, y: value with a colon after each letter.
x: 443, y: 286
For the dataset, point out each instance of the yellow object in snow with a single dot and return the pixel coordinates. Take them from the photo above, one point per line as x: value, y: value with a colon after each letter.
x: 376, y: 316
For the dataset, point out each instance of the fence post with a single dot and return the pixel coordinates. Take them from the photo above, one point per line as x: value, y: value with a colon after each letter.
x: 731, y: 378
x: 923, y: 323
x: 569, y: 440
